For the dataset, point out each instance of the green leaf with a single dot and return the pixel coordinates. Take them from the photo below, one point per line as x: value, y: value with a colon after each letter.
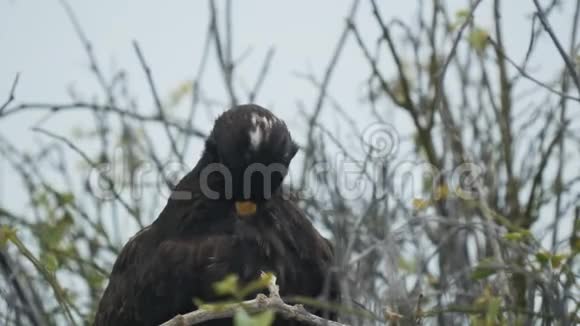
x: 462, y: 14
x: 420, y: 204
x: 257, y: 285
x: 478, y: 39
x: 6, y: 234
x: 483, y: 270
x: 407, y: 265
x: 517, y: 236
x: 575, y: 245
x: 40, y: 200
x: 460, y: 17
x: 202, y: 304
x: 183, y: 89
x: 557, y: 259
x: 229, y: 285
x: 65, y: 198
x: 95, y: 278
x: 49, y: 261
x: 543, y: 257
x: 441, y: 192
x: 52, y: 233
x: 453, y: 26
x: 265, y: 318
x: 242, y: 318
x: 492, y: 311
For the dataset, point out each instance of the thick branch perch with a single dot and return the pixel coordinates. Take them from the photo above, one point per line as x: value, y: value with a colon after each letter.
x: 260, y: 303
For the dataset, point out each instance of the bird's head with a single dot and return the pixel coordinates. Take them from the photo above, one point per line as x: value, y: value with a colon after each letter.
x: 252, y: 149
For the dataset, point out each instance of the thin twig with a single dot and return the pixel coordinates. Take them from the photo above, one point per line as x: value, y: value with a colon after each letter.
x: 158, y: 105
x: 386, y: 35
x: 226, y: 65
x: 262, y: 75
x: 93, y: 165
x: 57, y: 107
x: 196, y: 88
x: 23, y: 288
x: 569, y: 65
x: 531, y: 78
x: 49, y: 276
x: 94, y: 66
x: 451, y: 55
x: 561, y: 148
x: 323, y: 87
x: 11, y: 94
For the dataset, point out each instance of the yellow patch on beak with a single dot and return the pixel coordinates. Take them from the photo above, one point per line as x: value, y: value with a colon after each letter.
x: 245, y: 208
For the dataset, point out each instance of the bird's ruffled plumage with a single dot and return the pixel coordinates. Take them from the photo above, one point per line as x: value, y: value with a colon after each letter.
x: 197, y: 241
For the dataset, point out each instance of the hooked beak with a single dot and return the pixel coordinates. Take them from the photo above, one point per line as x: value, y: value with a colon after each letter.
x: 245, y: 208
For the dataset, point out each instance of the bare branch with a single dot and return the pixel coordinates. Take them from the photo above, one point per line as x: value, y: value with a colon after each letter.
x: 262, y: 74
x: 261, y: 303
x: 569, y: 65
x: 226, y: 65
x: 58, y: 107
x: 11, y: 94
x: 324, y: 85
x: 158, y: 105
x: 530, y: 77
x: 93, y: 165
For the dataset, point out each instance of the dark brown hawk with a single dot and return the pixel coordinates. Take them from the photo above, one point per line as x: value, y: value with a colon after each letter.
x: 229, y: 215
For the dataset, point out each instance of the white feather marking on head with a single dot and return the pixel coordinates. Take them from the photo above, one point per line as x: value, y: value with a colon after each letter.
x: 261, y: 128
x: 256, y: 137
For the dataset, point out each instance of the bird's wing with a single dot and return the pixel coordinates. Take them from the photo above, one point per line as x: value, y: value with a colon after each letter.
x: 153, y: 280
